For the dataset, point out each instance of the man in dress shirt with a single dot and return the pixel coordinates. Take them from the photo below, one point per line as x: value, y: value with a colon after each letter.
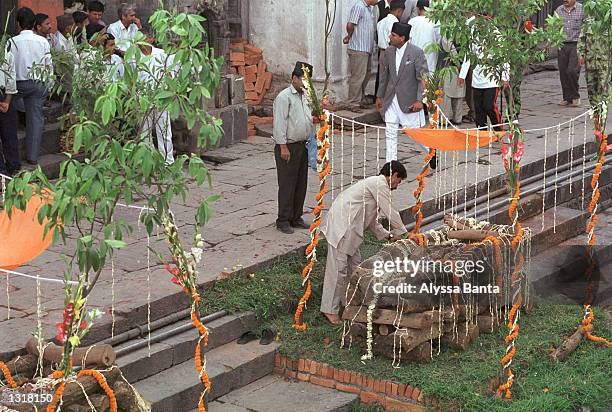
x: 361, y: 29
x: 59, y: 39
x: 126, y: 27
x: 400, y: 93
x: 95, y: 10
x: 9, y: 157
x: 410, y: 11
x: 384, y: 31
x: 569, y: 67
x: 424, y: 34
x: 353, y: 212
x: 293, y: 124
x: 33, y: 67
x: 158, y: 64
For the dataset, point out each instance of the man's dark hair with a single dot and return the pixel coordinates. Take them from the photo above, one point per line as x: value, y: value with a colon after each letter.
x: 79, y: 17
x: 95, y: 5
x: 92, y: 29
x: 40, y: 19
x: 394, y: 167
x: 64, y: 22
x: 26, y: 18
x: 421, y: 4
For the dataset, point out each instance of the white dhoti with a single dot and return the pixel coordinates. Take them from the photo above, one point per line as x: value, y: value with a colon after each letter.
x: 394, y: 117
x: 163, y: 130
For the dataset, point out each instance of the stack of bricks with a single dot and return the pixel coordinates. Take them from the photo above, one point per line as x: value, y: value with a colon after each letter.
x: 392, y: 396
x: 255, y: 120
x: 247, y: 60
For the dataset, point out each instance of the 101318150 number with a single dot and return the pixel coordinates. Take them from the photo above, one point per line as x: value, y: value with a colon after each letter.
x: 9, y: 397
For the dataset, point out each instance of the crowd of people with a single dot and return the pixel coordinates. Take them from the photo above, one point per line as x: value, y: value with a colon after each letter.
x: 28, y: 67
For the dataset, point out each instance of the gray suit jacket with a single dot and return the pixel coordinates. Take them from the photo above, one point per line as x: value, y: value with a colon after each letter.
x: 407, y: 83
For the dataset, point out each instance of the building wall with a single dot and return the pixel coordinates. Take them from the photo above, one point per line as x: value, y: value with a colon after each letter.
x: 53, y: 8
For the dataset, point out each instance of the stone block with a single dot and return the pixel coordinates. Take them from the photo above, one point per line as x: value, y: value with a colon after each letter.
x: 222, y: 95
x: 236, y: 88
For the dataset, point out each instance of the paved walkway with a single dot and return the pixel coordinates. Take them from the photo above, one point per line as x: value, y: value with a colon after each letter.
x: 241, y: 232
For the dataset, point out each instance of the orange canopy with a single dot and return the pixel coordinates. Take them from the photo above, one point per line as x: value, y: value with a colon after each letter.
x: 453, y: 139
x: 21, y: 236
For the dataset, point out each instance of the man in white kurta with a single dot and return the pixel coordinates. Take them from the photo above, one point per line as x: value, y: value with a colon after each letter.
x: 424, y: 34
x: 353, y: 212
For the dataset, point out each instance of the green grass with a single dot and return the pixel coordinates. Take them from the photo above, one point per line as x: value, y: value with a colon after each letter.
x: 457, y: 380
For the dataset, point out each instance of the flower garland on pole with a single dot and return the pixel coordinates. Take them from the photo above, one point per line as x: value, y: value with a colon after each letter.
x: 324, y: 169
x: 185, y: 275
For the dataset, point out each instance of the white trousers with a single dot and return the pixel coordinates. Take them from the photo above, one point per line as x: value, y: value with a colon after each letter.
x: 394, y: 117
x: 163, y: 129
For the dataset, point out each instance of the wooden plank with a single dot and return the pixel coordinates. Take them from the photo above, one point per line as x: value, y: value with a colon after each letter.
x: 388, y: 317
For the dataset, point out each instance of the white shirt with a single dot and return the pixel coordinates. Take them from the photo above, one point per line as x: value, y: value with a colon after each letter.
x: 114, y: 68
x: 7, y: 74
x: 157, y: 63
x: 123, y: 35
x: 59, y: 42
x: 31, y: 49
x: 384, y: 28
x: 399, y: 54
x: 424, y: 33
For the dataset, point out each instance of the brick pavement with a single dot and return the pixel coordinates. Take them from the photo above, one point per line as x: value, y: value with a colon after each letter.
x: 241, y: 232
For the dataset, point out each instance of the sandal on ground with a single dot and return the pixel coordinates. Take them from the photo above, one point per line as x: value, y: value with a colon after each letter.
x: 267, y: 337
x: 246, y: 338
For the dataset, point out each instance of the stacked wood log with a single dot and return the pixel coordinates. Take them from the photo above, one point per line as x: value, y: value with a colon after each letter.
x: 412, y: 325
x: 74, y: 398
x: 247, y: 60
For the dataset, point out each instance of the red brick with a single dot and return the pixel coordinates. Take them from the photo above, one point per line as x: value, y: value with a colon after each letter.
x: 330, y: 372
x: 261, y: 69
x: 250, y: 78
x: 277, y: 360
x: 278, y: 371
x: 408, y: 392
x: 394, y: 387
x: 328, y: 383
x: 314, y: 367
x: 345, y: 376
x: 323, y: 370
x: 415, y: 394
x: 294, y: 364
x: 283, y: 362
x: 303, y: 376
x: 348, y: 388
x: 337, y: 375
x: 421, y: 398
x: 401, y: 390
x: 251, y: 96
x: 388, y: 390
x: 292, y: 374
x: 396, y: 405
x: 267, y: 80
x: 259, y: 85
x: 250, y: 69
x: 249, y: 87
x: 233, y: 70
x: 237, y: 56
x: 369, y: 385
x: 377, y: 385
x: 369, y: 398
x: 301, y: 365
x: 240, y: 69
x: 307, y: 363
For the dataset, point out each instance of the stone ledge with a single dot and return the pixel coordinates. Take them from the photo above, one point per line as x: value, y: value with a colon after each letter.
x: 392, y: 396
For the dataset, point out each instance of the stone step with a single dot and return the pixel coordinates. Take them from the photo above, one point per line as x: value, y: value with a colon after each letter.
x: 50, y: 143
x: 180, y: 348
x: 274, y: 393
x: 229, y: 367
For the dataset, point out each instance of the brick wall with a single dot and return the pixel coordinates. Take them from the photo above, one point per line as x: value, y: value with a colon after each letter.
x: 53, y: 8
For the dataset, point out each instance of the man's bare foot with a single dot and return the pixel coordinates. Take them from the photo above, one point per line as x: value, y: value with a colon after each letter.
x: 333, y: 319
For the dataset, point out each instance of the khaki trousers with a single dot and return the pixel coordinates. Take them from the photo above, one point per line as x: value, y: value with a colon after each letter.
x: 338, y: 269
x: 359, y: 65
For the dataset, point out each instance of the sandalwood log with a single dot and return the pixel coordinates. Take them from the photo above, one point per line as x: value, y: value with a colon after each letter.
x: 23, y: 365
x: 462, y: 338
x: 390, y: 317
x: 73, y: 393
x: 420, y: 354
x: 384, y: 329
x: 568, y: 346
x: 487, y: 323
x: 100, y: 402
x: 469, y: 234
x: 128, y: 399
x: 95, y: 355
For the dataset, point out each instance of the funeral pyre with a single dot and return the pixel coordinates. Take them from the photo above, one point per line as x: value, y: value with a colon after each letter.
x: 439, y: 289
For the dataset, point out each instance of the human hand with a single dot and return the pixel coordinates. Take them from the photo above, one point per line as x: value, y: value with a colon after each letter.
x: 284, y: 153
x: 581, y: 61
x: 315, y: 119
x: 394, y: 238
x: 417, y: 106
x: 379, y: 104
x: 137, y: 23
x: 460, y: 82
x: 505, y: 84
x: 4, y: 107
x: 346, y: 39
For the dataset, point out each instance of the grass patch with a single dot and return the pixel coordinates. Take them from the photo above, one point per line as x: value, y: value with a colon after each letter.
x: 457, y: 380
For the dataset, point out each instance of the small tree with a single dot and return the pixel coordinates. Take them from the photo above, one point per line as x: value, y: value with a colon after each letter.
x: 503, y: 33
x: 119, y: 162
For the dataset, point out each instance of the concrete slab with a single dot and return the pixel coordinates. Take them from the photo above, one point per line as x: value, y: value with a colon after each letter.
x: 274, y: 393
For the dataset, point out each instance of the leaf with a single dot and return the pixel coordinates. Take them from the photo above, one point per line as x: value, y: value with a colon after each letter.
x: 116, y: 244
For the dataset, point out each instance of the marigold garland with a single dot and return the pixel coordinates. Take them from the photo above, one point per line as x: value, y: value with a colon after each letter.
x: 57, y: 396
x: 103, y: 384
x: 7, y: 375
x: 416, y: 209
x: 311, y: 250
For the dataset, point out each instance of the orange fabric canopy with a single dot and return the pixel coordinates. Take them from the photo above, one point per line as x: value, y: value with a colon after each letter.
x: 453, y: 139
x: 21, y: 236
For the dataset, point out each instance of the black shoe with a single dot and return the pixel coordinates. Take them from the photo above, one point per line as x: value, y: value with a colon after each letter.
x: 433, y: 163
x: 286, y: 229
x: 267, y: 337
x: 246, y: 338
x: 299, y: 224
x: 467, y: 119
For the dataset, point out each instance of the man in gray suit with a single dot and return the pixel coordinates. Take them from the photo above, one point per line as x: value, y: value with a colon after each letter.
x: 353, y: 212
x: 400, y: 93
x: 410, y: 11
